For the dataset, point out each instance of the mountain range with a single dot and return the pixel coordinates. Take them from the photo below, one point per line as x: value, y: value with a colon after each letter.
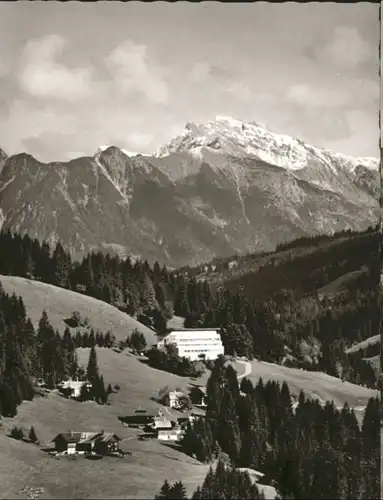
x: 218, y: 189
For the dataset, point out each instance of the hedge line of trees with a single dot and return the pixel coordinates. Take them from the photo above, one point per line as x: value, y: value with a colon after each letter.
x: 18, y: 434
x: 310, y: 451
x: 168, y: 360
x: 92, y: 339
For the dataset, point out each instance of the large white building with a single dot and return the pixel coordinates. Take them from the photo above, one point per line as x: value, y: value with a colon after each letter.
x: 195, y: 343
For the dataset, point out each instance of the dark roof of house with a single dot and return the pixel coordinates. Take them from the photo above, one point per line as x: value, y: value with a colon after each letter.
x: 194, y: 330
x: 200, y: 388
x: 108, y: 436
x: 137, y: 418
x: 69, y: 437
x: 144, y: 413
x: 77, y: 437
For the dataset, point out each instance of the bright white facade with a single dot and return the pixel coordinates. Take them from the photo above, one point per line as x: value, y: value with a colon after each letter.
x: 195, y: 343
x: 75, y: 385
x: 171, y: 434
x: 174, y: 397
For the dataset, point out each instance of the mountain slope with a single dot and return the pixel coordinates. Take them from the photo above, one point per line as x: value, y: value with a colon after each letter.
x: 60, y: 304
x: 3, y: 158
x: 138, y: 476
x: 223, y: 188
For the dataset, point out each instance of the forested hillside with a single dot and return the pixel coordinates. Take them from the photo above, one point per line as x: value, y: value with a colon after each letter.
x: 294, y: 322
x: 278, y: 312
x: 314, y: 297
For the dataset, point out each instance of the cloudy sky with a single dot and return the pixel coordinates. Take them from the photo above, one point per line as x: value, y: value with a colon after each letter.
x: 74, y: 76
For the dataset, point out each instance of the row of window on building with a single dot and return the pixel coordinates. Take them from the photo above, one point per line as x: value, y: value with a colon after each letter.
x: 196, y: 350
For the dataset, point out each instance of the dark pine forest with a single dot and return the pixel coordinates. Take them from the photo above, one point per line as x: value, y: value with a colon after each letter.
x: 307, y: 452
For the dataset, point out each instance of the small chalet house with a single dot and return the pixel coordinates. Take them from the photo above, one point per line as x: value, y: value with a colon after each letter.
x: 72, y: 388
x: 197, y: 395
x: 102, y: 443
x: 177, y: 400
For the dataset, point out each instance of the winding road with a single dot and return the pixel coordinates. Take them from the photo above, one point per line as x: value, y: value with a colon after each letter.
x: 247, y: 371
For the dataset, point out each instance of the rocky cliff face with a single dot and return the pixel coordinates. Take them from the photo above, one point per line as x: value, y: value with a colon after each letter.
x: 218, y: 189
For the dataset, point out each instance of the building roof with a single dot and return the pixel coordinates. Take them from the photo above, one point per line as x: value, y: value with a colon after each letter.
x: 250, y: 471
x: 85, y: 437
x: 201, y: 388
x: 193, y: 334
x: 68, y: 437
x: 108, y: 436
x: 143, y: 415
x: 142, y: 411
x: 89, y: 438
x: 177, y: 393
x: 194, y: 330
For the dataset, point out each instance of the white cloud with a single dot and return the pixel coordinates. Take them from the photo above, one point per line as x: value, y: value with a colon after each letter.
x: 4, y: 68
x: 305, y: 94
x: 349, y: 92
x: 241, y: 91
x: 346, y: 48
x: 42, y: 76
x: 128, y: 63
x: 140, y: 140
x: 357, y: 143
x: 32, y: 122
x: 200, y: 72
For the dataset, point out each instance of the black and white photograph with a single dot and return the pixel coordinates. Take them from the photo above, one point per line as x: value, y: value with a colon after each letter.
x: 190, y: 250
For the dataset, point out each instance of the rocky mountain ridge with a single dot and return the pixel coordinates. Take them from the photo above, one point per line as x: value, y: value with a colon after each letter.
x: 217, y: 189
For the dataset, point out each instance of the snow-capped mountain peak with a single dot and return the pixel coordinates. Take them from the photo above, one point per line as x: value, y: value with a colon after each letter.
x: 236, y: 138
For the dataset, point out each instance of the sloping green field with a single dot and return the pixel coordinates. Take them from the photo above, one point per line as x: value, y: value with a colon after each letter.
x: 60, y: 304
x: 137, y: 476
